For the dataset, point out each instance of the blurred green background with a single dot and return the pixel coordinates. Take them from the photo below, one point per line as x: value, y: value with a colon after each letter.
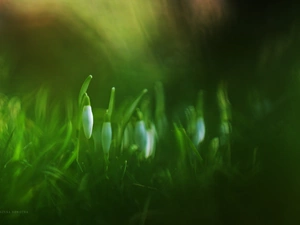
x: 48, y: 48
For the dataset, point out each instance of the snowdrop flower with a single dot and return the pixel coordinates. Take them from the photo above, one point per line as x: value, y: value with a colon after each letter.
x: 141, y: 135
x: 106, y: 136
x: 151, y: 141
x: 87, y: 117
x: 145, y: 138
x: 195, y: 125
x: 199, y: 131
x: 140, y: 132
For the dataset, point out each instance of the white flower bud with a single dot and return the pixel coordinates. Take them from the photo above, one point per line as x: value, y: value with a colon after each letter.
x: 151, y: 141
x: 106, y: 136
x: 141, y: 135
x: 199, y: 131
x: 87, y: 121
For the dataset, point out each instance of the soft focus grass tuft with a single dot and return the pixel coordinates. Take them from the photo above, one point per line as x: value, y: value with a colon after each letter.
x: 41, y: 140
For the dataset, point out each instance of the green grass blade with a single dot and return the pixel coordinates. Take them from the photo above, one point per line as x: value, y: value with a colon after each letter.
x: 84, y: 88
x: 69, y: 131
x: 111, y: 103
x: 73, y: 157
x: 132, y: 107
x: 192, y: 147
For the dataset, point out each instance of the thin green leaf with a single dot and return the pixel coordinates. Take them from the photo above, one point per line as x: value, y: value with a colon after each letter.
x: 84, y: 88
x: 111, y: 103
x: 192, y: 146
x: 69, y: 130
x: 132, y: 107
x: 72, y: 157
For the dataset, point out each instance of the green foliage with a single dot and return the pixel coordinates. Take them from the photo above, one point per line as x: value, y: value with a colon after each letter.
x: 41, y: 140
x: 84, y: 89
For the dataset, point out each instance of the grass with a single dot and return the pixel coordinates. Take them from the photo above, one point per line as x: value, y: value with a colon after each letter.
x: 154, y: 170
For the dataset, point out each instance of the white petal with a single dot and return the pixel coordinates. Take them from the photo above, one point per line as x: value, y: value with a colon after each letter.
x: 200, y: 131
x: 141, y: 135
x: 87, y: 121
x: 106, y: 136
x: 151, y: 141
